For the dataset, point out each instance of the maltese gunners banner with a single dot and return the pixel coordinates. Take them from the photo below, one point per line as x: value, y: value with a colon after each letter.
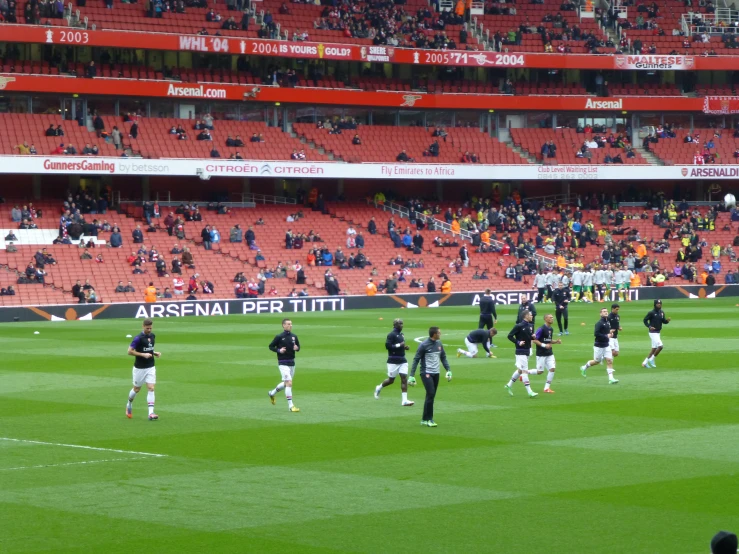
x: 721, y: 105
x: 654, y: 62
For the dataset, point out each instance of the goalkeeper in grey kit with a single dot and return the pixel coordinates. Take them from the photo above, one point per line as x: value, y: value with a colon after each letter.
x: 431, y: 356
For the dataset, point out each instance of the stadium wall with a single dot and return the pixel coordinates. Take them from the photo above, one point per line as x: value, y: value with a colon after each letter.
x: 133, y: 310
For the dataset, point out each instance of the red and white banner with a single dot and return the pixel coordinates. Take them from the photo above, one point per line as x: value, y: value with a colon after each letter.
x: 355, y: 52
x: 721, y: 105
x: 317, y: 96
x: 207, y: 168
x: 654, y: 62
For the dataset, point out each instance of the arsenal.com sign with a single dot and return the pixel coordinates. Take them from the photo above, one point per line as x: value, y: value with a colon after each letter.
x: 662, y: 63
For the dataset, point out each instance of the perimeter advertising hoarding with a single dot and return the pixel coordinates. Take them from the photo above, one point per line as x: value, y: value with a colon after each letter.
x: 259, y: 306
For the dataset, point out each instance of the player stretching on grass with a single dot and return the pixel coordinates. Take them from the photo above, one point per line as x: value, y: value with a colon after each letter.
x: 144, y: 371
x: 286, y: 344
x: 544, y: 355
x: 602, y: 348
x: 653, y: 321
x: 478, y: 336
x: 521, y: 335
x: 396, y: 363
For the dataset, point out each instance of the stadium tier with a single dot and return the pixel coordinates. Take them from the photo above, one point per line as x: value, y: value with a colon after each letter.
x: 570, y: 147
x: 384, y: 144
x: 221, y: 264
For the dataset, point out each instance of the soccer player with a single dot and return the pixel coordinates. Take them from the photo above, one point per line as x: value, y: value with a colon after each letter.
x: 561, y: 298
x: 654, y: 321
x: 526, y: 306
x: 431, y: 356
x: 628, y: 275
x: 478, y: 336
x: 576, y: 284
x: 396, y: 362
x: 618, y: 282
x: 544, y: 355
x: 488, y: 314
x: 144, y: 370
x: 601, y: 348
x: 609, y: 280
x: 540, y: 284
x: 599, y: 278
x: 552, y: 283
x: 285, y: 345
x: 614, y: 320
x: 587, y: 284
x: 521, y: 335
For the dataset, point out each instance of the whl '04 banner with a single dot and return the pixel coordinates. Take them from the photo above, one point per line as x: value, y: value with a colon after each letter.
x: 721, y: 105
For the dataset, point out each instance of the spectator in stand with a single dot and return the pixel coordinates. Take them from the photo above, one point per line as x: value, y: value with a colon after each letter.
x: 403, y: 157
x: 23, y: 149
x: 206, y: 236
x: 215, y: 235
x: 116, y: 240
x: 138, y: 235
x: 236, y: 234
x: 356, y: 140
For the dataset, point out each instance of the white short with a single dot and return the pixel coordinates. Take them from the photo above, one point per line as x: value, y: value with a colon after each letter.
x: 287, y: 372
x: 471, y: 347
x: 613, y: 344
x: 600, y: 353
x: 394, y: 369
x: 656, y: 341
x: 147, y: 375
x: 522, y: 362
x: 545, y: 363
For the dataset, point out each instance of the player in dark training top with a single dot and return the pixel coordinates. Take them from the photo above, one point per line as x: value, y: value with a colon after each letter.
x: 478, y: 336
x: 614, y: 320
x: 396, y: 363
x: 562, y: 297
x: 654, y: 321
x: 526, y: 306
x: 488, y: 314
x: 544, y: 353
x: 144, y: 370
x: 285, y: 345
x: 521, y: 336
x: 602, y: 348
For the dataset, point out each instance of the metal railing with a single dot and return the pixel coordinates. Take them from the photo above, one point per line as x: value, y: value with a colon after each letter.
x: 555, y: 199
x: 266, y: 199
x: 436, y: 224
x: 718, y: 22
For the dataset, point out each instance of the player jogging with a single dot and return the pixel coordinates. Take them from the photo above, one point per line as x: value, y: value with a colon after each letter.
x: 431, y: 356
x: 552, y: 283
x: 599, y: 278
x: 561, y: 298
x: 396, y: 362
x: 544, y: 354
x: 587, y: 284
x: 526, y: 306
x: 478, y: 336
x: 614, y: 320
x: 601, y: 348
x: 521, y: 335
x: 144, y: 370
x: 618, y: 282
x: 540, y: 284
x: 285, y: 345
x: 654, y: 321
x: 488, y: 314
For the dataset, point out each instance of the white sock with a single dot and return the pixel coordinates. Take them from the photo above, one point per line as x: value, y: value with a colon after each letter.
x: 289, y: 396
x: 610, y: 373
x: 150, y: 401
x: 526, y: 382
x: 131, y: 396
x: 404, y: 396
x: 514, y: 378
x: 378, y: 388
x: 277, y: 389
x: 651, y: 358
x: 550, y: 378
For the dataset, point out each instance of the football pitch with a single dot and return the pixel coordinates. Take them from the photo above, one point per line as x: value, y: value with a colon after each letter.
x: 650, y: 465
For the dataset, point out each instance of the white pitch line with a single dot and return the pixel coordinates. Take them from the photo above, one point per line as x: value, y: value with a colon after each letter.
x: 72, y: 463
x: 84, y: 447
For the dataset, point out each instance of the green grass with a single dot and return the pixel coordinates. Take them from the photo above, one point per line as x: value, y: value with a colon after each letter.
x: 647, y: 466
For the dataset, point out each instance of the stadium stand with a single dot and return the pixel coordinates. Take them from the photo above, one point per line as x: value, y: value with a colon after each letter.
x: 705, y: 143
x: 569, y: 142
x: 384, y: 143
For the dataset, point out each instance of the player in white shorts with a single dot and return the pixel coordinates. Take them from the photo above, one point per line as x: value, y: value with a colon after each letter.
x: 397, y: 364
x: 614, y: 320
x: 654, y: 321
x: 285, y: 345
x: 521, y: 336
x: 144, y: 370
x: 587, y: 284
x: 601, y: 348
x: 544, y: 355
x: 599, y: 278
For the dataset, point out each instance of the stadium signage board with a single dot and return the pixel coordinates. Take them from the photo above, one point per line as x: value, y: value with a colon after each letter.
x: 355, y: 52
x: 207, y: 168
x: 392, y: 99
x: 209, y: 308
